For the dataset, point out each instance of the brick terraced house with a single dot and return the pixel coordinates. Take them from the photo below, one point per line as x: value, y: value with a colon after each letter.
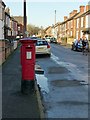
x: 86, y: 16
x: 74, y: 26
x: 2, y: 19
x: 7, y: 27
x: 14, y: 28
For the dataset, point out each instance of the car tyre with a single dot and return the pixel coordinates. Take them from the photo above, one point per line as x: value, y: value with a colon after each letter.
x: 71, y: 48
x: 49, y: 55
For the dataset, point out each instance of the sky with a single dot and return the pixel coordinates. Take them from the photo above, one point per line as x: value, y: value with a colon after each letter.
x: 42, y: 13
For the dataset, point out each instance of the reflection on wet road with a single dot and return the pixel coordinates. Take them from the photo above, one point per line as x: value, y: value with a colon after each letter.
x: 42, y: 82
x: 75, y: 72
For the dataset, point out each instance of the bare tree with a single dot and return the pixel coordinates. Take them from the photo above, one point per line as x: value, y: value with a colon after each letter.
x: 32, y: 29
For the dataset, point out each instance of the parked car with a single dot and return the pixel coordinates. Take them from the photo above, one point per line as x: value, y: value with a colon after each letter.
x: 34, y: 38
x: 43, y: 47
x: 48, y: 39
x: 53, y: 40
x: 77, y: 45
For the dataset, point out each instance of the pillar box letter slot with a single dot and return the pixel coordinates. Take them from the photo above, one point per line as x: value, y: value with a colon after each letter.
x: 28, y: 58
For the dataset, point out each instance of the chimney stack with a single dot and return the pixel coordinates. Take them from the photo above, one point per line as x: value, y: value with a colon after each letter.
x: 65, y: 18
x: 87, y: 7
x: 70, y: 14
x: 74, y: 12
x: 82, y: 8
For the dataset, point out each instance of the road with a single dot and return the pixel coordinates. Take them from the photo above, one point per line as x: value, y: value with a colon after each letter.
x: 64, y: 84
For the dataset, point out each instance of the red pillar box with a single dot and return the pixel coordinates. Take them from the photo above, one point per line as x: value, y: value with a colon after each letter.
x: 28, y: 58
x: 27, y: 63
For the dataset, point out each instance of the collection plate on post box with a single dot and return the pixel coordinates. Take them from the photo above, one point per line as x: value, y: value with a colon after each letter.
x: 28, y: 55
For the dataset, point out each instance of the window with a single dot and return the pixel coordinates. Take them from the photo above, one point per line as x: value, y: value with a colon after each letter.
x: 65, y: 26
x: 78, y: 23
x: 81, y: 33
x: 9, y: 33
x: 6, y: 20
x: 82, y: 20
x: 18, y: 28
x: 87, y: 21
x: 71, y: 33
x: 39, y: 43
x: 77, y: 33
x: 71, y: 23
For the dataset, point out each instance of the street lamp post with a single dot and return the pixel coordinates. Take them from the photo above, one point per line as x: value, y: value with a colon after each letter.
x: 54, y: 26
x: 25, y: 20
x: 55, y: 16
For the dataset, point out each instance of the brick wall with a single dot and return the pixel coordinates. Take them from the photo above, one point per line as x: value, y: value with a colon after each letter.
x: 6, y: 48
x: 2, y: 51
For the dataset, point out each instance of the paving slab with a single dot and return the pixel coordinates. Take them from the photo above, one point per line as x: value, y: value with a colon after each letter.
x: 14, y: 103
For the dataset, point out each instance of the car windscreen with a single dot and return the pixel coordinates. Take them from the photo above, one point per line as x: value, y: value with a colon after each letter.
x: 39, y: 43
x: 53, y: 38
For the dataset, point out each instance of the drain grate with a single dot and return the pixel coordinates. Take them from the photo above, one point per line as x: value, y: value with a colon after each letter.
x: 57, y: 70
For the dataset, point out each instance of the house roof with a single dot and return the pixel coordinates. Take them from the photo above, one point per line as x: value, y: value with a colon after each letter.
x: 47, y: 28
x: 3, y: 4
x: 13, y: 19
x: 19, y: 19
x: 86, y: 13
x: 70, y: 18
x: 58, y: 23
x: 82, y: 14
x: 7, y: 14
x: 77, y: 15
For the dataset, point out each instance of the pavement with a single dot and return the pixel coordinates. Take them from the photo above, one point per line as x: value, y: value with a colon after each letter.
x: 14, y: 103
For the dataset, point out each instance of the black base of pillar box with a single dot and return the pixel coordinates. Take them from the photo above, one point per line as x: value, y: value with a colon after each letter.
x: 27, y: 86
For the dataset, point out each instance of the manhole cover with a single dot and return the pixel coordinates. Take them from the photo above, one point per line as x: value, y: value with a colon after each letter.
x: 66, y: 83
x: 57, y: 70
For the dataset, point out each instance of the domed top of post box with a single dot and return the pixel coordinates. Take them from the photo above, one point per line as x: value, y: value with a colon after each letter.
x: 28, y: 40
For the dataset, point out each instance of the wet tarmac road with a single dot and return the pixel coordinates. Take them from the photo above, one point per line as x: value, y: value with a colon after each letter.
x: 64, y: 84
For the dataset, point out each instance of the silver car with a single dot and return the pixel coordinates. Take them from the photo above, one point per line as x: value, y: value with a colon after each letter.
x: 43, y: 47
